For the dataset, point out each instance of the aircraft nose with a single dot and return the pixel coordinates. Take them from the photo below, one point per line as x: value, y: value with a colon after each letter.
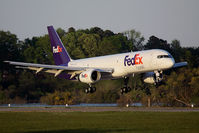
x: 171, y: 62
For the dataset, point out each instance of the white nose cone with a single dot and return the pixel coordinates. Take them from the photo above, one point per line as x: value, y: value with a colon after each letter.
x: 171, y: 63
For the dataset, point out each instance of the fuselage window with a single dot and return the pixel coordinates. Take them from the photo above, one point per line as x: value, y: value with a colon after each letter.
x: 163, y: 56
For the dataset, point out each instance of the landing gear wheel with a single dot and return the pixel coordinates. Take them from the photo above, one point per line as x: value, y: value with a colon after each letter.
x: 121, y: 91
x: 158, y: 76
x: 86, y: 91
x: 125, y: 90
x: 90, y: 90
x: 93, y: 89
x: 128, y: 89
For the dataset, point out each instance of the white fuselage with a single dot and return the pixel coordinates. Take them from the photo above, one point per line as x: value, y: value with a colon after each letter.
x: 129, y: 63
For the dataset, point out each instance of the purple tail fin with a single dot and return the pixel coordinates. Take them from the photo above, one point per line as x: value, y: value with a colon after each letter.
x: 61, y: 56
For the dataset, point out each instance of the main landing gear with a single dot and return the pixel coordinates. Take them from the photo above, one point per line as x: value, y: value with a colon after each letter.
x: 126, y: 88
x: 90, y: 89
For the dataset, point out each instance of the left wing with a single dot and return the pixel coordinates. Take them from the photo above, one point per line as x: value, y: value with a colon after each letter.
x: 180, y: 64
x: 56, y: 69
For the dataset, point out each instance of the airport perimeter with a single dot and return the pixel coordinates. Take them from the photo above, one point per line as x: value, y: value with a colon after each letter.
x: 97, y: 109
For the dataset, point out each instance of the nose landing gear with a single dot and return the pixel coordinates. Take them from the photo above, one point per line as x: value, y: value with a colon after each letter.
x: 158, y: 76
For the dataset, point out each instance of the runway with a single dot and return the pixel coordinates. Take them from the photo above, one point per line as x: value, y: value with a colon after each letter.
x: 96, y: 109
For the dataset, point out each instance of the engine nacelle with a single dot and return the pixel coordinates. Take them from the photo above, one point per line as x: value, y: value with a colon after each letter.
x: 90, y: 76
x: 149, y: 78
x: 152, y: 77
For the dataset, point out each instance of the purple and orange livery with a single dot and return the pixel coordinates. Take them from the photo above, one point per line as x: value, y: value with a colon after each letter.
x: 61, y: 56
x: 136, y: 60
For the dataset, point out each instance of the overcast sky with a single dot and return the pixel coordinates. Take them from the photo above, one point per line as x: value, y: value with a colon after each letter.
x: 166, y: 19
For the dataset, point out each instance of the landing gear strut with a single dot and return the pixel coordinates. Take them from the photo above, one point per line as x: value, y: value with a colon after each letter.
x: 126, y: 88
x: 90, y: 89
x: 158, y: 76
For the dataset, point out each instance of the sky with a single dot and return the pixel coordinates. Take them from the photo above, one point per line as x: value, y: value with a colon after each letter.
x: 165, y: 19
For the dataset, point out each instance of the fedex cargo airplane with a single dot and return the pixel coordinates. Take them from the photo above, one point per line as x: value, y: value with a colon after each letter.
x: 150, y: 63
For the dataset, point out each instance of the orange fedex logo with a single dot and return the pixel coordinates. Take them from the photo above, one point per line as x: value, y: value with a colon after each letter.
x: 84, y: 75
x: 57, y: 49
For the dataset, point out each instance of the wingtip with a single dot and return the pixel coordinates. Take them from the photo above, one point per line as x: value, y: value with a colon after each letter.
x: 180, y: 64
x: 185, y: 63
x: 6, y: 61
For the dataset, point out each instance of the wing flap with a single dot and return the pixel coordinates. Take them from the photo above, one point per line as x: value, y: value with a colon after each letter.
x: 41, y: 65
x: 75, y: 73
x: 56, y: 70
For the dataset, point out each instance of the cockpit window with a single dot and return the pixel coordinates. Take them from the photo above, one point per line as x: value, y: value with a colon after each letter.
x: 164, y: 56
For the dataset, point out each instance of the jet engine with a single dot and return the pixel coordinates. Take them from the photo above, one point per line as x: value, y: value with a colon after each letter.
x: 90, y: 76
x: 153, y: 77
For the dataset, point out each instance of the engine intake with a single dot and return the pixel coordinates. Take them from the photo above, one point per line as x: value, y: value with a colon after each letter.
x: 90, y: 76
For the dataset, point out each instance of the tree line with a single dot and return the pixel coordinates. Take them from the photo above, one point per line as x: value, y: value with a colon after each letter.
x: 179, y: 88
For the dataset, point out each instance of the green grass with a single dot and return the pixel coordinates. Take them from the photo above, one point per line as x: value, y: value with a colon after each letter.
x: 99, y: 122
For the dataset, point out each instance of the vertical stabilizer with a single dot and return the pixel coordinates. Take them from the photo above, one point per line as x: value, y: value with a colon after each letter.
x: 61, y: 56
